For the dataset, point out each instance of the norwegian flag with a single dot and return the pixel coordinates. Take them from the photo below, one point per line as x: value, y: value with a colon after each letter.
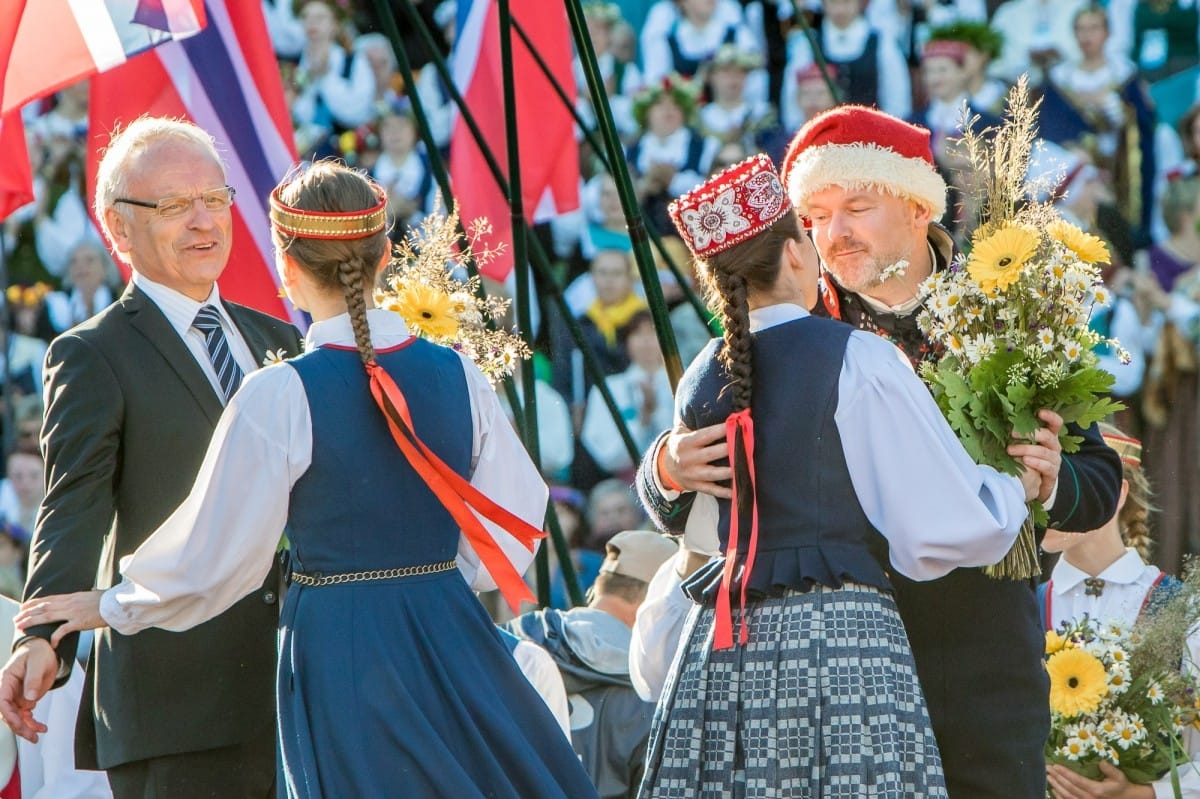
x: 225, y: 80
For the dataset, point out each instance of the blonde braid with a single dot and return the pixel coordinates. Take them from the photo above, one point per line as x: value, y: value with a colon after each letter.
x: 1134, y: 518
x: 352, y: 275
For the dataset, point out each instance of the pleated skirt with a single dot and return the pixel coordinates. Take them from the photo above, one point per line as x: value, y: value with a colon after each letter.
x: 823, y: 702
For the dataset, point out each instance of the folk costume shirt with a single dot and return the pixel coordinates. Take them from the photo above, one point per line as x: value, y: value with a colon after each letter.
x: 234, y: 516
x: 922, y: 502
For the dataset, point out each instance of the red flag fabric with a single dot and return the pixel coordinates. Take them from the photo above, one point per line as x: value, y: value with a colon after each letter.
x: 549, y: 154
x: 59, y: 42
x: 227, y: 81
x: 16, y: 174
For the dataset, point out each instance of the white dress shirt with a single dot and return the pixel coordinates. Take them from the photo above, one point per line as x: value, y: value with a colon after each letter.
x: 232, y: 520
x: 658, y: 630
x: 1126, y: 584
x: 181, y: 311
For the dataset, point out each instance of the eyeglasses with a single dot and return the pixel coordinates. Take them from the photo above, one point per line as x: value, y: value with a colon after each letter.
x: 168, y: 207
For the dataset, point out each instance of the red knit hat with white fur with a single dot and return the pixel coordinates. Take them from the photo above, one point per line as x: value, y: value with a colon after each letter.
x: 853, y: 146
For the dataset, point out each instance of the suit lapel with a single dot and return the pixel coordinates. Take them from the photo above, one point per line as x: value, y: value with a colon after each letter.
x: 258, y: 344
x: 147, y: 319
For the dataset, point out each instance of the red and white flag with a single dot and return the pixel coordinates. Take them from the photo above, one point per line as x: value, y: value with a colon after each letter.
x: 225, y: 80
x: 59, y: 42
x: 48, y: 44
x: 549, y: 154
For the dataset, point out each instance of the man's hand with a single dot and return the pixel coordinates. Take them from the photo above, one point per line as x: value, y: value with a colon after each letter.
x: 25, y: 679
x: 1112, y: 784
x: 689, y: 458
x: 1044, y: 454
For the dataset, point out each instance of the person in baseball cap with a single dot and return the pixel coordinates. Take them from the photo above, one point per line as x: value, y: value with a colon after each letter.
x: 590, y: 646
x: 637, y: 554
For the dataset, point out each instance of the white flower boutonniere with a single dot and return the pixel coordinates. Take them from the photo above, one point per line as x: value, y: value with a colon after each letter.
x: 273, y: 357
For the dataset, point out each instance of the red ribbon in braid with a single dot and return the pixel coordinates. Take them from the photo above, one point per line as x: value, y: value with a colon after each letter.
x: 459, y: 497
x: 723, y: 624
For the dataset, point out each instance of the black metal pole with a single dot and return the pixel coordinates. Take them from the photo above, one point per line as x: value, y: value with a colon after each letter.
x: 689, y: 293
x: 629, y: 202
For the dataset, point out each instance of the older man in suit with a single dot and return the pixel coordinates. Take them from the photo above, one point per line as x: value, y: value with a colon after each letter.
x: 132, y: 398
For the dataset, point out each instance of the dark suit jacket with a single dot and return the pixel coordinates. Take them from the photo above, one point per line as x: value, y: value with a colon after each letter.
x: 129, y: 415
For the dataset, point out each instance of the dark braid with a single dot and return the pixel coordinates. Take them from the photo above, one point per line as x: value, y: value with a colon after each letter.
x: 347, y: 263
x: 729, y: 277
x: 736, y: 354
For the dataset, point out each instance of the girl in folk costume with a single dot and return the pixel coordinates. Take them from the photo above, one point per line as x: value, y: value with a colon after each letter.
x: 795, y: 677
x: 1105, y: 574
x: 670, y: 156
x: 372, y: 450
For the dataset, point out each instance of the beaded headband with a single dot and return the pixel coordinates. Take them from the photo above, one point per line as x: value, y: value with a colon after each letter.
x: 1130, y: 449
x: 730, y: 207
x: 326, y: 225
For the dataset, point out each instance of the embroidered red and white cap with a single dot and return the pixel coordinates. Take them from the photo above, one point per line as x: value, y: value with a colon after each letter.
x: 857, y: 147
x: 730, y: 207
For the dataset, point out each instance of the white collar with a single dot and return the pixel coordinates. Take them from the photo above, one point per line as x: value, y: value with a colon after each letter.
x: 772, y: 315
x: 387, y: 330
x: 1125, y: 570
x: 179, y: 309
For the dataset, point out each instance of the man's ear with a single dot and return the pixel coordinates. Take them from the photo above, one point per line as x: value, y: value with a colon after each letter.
x: 118, y: 229
x: 922, y: 215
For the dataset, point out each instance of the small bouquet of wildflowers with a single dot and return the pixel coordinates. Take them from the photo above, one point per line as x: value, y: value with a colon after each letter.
x: 422, y: 284
x: 1011, y: 317
x: 1107, y: 703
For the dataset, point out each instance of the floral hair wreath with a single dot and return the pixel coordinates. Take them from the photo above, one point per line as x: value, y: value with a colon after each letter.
x: 686, y: 94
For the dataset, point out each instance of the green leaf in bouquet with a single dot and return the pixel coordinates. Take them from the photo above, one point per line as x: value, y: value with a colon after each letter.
x: 1139, y: 774
x: 1089, y: 769
x: 1070, y: 442
x: 1038, y: 512
x: 1099, y: 410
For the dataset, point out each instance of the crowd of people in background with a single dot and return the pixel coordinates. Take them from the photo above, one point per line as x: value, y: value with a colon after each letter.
x: 696, y: 85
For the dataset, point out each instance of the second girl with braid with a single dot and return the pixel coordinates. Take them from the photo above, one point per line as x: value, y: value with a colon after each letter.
x: 372, y: 450
x: 796, y: 677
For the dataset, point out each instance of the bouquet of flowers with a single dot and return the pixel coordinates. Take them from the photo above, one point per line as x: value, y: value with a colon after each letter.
x: 1109, y: 703
x: 1011, y: 317
x: 423, y: 285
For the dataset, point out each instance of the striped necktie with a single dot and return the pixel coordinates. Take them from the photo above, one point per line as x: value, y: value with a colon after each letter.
x: 229, y: 374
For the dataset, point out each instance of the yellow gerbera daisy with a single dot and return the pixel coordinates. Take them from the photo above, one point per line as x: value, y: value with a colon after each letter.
x: 1054, y: 642
x: 427, y: 310
x: 1087, y: 248
x: 1077, y: 682
x: 996, y: 262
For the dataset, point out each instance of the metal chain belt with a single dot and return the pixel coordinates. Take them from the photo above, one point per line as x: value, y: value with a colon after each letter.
x: 376, y: 574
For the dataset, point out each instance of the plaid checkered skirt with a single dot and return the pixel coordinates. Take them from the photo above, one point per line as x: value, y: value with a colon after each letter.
x: 822, y: 702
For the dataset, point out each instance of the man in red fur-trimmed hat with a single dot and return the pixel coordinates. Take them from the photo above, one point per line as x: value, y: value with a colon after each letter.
x: 867, y: 183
